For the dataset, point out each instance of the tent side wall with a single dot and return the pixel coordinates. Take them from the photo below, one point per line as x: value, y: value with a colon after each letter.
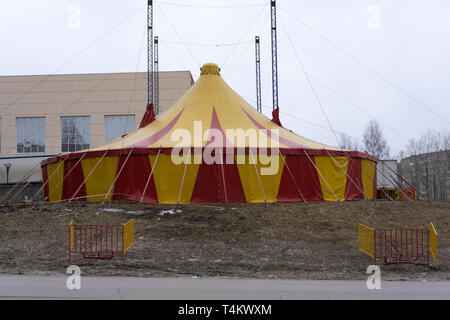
x: 151, y: 176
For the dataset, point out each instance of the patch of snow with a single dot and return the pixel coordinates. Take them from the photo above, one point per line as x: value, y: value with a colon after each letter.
x: 118, y: 210
x: 135, y: 213
x: 169, y: 212
x: 112, y: 210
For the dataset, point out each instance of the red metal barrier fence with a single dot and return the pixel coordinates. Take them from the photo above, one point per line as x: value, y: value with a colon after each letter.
x: 397, y: 246
x: 100, y: 241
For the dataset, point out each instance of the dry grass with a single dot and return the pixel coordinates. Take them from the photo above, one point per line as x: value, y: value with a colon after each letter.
x: 302, y: 241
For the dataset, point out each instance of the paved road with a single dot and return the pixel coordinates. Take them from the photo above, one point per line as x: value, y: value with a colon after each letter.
x: 46, y: 287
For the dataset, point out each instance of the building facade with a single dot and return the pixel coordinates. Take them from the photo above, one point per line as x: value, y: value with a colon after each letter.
x: 429, y: 174
x: 42, y: 116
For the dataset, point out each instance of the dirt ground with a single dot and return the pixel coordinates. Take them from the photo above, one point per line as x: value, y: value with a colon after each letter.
x: 283, y: 241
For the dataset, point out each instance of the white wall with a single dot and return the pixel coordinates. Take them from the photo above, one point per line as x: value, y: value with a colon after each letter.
x: 383, y: 167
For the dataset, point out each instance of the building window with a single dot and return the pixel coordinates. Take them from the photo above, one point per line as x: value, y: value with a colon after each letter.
x: 117, y: 126
x: 30, y: 135
x: 75, y: 133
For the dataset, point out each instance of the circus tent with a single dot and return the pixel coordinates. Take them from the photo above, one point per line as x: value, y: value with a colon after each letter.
x: 210, y: 147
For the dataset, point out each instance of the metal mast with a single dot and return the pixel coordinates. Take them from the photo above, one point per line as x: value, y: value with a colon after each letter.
x: 274, y: 54
x: 258, y: 74
x: 156, y: 84
x: 150, y: 53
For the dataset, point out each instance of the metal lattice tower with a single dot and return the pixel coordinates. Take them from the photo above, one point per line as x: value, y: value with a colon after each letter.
x: 258, y: 74
x: 150, y: 53
x: 156, y: 84
x: 273, y: 11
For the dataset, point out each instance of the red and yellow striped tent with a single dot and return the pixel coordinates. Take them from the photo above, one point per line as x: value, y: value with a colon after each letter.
x: 214, y: 120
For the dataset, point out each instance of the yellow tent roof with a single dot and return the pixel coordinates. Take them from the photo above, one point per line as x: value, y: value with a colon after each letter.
x: 213, y: 104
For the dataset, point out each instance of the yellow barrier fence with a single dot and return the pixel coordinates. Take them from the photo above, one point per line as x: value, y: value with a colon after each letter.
x: 433, y: 241
x: 366, y: 241
x: 127, y: 236
x: 70, y: 238
x: 100, y: 241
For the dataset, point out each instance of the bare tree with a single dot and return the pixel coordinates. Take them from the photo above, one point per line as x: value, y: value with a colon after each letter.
x: 349, y: 143
x: 374, y: 141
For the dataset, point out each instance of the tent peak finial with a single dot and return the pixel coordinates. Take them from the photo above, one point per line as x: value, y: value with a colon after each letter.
x: 210, y: 68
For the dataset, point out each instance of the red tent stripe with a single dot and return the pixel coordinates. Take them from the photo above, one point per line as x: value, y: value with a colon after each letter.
x: 306, y: 177
x: 354, y: 171
x: 215, y: 124
x: 45, y: 181
x: 73, y: 181
x: 159, y: 135
x: 284, y: 141
x: 210, y: 186
x: 132, y: 180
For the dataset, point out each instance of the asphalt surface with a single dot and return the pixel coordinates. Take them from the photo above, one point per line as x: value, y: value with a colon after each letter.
x: 48, y: 287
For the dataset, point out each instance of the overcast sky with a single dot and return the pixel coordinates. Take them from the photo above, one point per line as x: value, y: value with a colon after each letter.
x: 403, y: 41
